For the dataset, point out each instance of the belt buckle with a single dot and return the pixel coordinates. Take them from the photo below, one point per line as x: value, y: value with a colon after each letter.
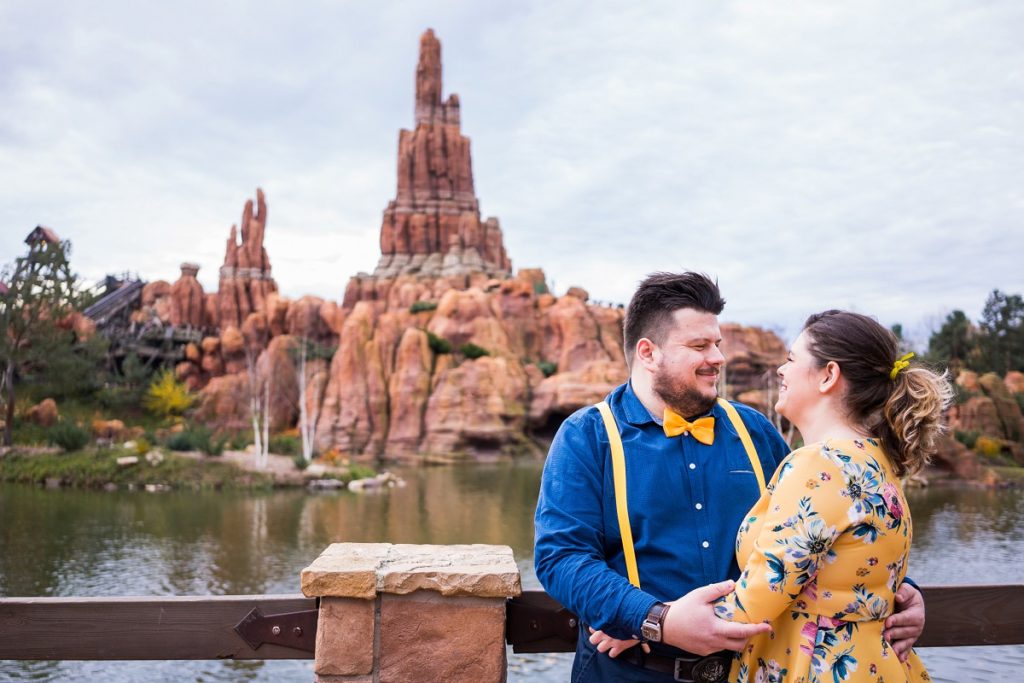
x: 709, y: 669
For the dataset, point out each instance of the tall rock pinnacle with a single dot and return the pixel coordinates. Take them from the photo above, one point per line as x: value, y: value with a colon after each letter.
x: 433, y: 227
x: 245, y: 279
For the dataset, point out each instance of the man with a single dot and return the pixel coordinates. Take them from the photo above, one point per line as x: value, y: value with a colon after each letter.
x: 621, y: 560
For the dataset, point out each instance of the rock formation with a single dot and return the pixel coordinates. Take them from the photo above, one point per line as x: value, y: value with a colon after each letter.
x: 188, y: 302
x: 433, y: 225
x: 245, y: 279
x: 440, y: 352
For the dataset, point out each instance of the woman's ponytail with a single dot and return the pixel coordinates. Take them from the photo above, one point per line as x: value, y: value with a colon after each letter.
x: 911, y: 418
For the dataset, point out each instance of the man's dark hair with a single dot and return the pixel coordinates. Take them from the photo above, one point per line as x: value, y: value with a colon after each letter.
x: 658, y: 297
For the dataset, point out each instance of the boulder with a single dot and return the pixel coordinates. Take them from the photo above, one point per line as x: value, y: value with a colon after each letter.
x: 113, y: 430
x: 224, y: 403
x: 955, y: 458
x: 1006, y: 406
x: 1014, y: 382
x: 560, y: 395
x: 979, y: 415
x: 477, y: 408
x: 354, y: 413
x: 43, y: 413
x: 753, y: 355
x: 408, y: 392
x: 968, y: 381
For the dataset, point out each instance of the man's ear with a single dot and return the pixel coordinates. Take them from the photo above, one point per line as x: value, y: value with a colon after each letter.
x: 644, y: 353
x: 831, y: 374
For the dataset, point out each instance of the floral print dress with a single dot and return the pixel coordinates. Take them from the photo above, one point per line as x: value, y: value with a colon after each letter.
x: 823, y: 552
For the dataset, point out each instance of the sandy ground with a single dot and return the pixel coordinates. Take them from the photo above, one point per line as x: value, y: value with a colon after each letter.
x: 281, y: 467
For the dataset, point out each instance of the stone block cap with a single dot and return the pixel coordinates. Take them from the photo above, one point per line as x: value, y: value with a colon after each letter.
x: 362, y: 570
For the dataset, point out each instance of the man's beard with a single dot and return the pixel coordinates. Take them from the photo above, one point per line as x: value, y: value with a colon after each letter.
x: 686, y: 400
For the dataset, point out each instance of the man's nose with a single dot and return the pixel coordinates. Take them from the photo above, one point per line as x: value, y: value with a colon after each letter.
x: 716, y: 357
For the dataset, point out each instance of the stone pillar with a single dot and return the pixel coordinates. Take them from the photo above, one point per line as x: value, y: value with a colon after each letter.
x: 395, y: 613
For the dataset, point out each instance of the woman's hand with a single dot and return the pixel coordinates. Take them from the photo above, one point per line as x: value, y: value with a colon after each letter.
x: 613, y: 646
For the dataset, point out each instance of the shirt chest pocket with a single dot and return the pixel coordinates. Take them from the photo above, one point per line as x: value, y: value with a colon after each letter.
x: 740, y: 476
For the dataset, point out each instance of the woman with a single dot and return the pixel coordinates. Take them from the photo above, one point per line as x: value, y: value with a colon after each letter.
x: 826, y: 547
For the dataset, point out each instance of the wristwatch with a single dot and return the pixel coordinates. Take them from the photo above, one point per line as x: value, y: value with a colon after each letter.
x: 650, y: 630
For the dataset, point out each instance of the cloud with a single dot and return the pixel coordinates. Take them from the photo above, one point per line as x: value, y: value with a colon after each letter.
x: 809, y: 154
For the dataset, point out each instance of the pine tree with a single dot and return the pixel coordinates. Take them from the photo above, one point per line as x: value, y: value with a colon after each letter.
x: 38, y: 292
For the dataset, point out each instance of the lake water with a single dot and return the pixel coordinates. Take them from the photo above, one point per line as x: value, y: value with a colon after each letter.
x: 90, y: 543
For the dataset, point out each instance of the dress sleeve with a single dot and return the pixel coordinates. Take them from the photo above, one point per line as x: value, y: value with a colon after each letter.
x: 807, y: 512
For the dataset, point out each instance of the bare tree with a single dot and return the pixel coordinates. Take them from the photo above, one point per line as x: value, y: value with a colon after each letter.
x: 259, y: 406
x: 309, y: 400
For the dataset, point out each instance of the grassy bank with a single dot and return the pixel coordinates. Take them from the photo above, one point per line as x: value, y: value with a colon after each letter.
x: 1012, y: 476
x: 96, y: 468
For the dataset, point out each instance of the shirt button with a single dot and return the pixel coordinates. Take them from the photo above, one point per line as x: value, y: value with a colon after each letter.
x: 693, y: 466
x: 706, y: 544
x: 699, y: 506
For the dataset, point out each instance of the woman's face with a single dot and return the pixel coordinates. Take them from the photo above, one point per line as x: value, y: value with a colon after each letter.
x: 800, y: 382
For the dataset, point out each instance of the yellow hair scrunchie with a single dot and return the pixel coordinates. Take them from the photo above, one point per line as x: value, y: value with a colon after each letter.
x: 901, y: 363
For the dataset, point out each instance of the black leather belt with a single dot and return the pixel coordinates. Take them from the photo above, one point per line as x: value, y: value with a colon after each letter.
x: 686, y: 668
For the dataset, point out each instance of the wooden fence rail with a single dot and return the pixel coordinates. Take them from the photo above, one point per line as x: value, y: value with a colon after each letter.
x: 956, y: 615
x: 283, y: 627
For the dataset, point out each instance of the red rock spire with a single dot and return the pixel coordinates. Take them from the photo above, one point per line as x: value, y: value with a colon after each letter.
x: 433, y: 226
x: 245, y: 277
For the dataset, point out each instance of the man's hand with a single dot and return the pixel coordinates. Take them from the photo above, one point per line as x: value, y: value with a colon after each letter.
x: 903, y: 628
x: 691, y: 623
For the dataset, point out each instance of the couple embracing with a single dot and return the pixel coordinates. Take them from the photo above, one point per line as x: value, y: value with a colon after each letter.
x: 694, y: 546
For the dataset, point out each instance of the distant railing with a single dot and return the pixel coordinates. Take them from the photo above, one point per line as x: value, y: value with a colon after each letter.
x: 284, y: 626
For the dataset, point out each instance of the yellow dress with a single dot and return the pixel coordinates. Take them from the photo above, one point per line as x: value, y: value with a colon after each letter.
x: 823, y: 552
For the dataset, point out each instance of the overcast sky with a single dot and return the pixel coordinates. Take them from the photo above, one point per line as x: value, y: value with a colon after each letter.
x: 810, y: 154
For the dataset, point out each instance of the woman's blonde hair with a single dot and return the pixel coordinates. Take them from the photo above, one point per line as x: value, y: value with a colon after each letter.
x: 901, y: 405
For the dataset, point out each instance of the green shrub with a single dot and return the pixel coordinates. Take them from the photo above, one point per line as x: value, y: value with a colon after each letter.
x: 961, y: 395
x: 547, y: 367
x: 420, y: 306
x: 357, y: 471
x: 472, y: 351
x: 204, y: 440
x: 966, y: 438
x: 240, y: 441
x: 167, y: 396
x: 285, y: 444
x: 437, y: 344
x: 300, y: 462
x: 180, y: 441
x: 540, y: 288
x: 68, y: 436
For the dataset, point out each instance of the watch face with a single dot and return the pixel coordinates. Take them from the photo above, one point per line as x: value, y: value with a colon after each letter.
x: 651, y: 632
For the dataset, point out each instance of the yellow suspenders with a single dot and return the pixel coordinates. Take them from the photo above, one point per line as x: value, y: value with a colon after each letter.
x: 619, y: 476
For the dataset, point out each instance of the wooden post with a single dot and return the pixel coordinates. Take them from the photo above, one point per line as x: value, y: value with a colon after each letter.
x: 411, y: 612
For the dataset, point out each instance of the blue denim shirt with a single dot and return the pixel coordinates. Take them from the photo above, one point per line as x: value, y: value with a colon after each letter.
x: 686, y: 502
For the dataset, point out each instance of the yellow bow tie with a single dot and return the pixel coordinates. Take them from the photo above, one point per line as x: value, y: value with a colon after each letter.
x: 702, y: 429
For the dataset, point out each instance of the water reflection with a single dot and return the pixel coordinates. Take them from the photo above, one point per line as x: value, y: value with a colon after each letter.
x: 85, y: 543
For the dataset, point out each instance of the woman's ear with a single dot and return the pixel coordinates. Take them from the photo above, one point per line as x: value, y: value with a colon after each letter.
x: 830, y: 376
